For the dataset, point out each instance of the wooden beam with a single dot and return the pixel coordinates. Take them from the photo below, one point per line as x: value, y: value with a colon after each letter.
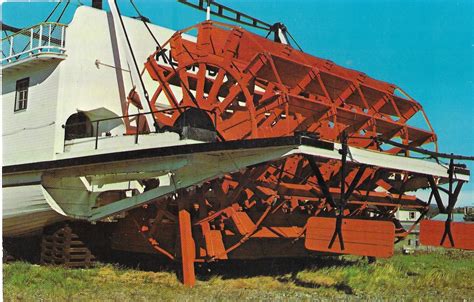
x: 188, y: 248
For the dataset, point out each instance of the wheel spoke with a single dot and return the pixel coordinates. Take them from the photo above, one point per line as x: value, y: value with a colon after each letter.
x: 229, y: 99
x: 187, y: 97
x: 216, y: 86
x: 154, y: 99
x: 201, y: 81
x: 166, y: 119
x: 170, y: 95
x: 237, y: 126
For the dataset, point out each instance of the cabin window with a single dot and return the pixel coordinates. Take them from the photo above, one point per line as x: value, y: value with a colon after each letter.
x: 21, y: 96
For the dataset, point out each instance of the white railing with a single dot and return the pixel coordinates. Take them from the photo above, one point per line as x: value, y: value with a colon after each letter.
x: 45, y: 37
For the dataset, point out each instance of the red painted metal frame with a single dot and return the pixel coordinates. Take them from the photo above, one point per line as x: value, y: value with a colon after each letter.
x: 256, y: 88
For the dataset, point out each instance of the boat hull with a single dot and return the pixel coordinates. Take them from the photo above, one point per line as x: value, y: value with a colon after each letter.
x: 26, y: 211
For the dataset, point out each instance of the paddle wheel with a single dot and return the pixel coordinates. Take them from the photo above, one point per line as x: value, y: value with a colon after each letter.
x: 243, y: 86
x: 257, y: 88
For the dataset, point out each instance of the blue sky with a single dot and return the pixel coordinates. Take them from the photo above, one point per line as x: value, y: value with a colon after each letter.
x: 425, y: 47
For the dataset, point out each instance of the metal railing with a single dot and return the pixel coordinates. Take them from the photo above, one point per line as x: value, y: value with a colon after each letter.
x: 47, y: 37
x: 138, y: 119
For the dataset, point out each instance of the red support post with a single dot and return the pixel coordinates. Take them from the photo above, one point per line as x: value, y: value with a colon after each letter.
x: 188, y: 250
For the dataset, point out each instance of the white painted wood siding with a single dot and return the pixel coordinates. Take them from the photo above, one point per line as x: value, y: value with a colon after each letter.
x: 96, y: 72
x: 58, y: 90
x: 29, y: 135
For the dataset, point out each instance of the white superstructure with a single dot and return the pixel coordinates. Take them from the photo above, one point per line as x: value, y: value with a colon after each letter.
x: 88, y: 74
x: 92, y: 75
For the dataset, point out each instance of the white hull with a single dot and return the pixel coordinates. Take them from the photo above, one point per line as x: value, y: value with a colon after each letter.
x: 25, y: 211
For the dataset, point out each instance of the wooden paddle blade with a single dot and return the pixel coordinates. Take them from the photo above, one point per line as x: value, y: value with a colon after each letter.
x: 432, y: 231
x: 360, y: 237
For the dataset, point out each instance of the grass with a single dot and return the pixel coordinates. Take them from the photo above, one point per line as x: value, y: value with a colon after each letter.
x: 443, y: 275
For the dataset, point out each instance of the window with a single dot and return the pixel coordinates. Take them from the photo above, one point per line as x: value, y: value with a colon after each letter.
x: 21, y: 96
x: 78, y: 125
x: 412, y: 215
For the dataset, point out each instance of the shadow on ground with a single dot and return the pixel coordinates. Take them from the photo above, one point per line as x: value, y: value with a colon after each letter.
x: 284, y: 270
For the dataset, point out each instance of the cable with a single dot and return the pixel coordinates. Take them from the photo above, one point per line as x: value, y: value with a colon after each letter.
x: 294, y: 40
x: 424, y: 151
x: 136, y: 66
x: 46, y: 20
x: 142, y: 17
x: 167, y: 59
x: 62, y: 13
x: 52, y: 12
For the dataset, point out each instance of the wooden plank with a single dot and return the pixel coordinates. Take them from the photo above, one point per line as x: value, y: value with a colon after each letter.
x: 431, y: 233
x: 188, y: 250
x: 215, y: 244
x: 243, y: 222
x: 361, y: 237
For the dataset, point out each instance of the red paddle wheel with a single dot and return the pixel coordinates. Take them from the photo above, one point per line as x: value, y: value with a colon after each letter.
x: 248, y: 87
x: 258, y: 88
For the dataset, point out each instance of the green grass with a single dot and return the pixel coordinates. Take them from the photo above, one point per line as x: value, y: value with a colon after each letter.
x: 445, y: 275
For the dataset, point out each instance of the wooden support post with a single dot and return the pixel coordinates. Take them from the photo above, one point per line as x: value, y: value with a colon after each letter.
x: 188, y: 252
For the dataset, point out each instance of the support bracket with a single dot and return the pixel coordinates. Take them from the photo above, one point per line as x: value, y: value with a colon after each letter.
x: 453, y: 194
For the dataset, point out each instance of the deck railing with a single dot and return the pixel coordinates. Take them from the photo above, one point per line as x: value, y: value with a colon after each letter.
x: 101, y: 128
x: 47, y: 37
